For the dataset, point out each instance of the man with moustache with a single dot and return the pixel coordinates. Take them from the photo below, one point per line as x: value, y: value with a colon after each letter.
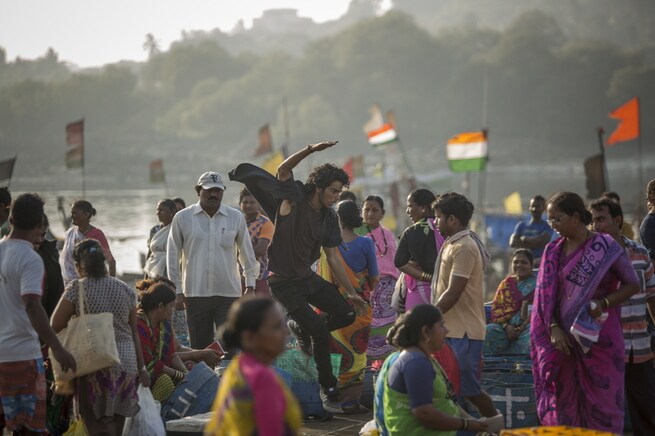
x: 201, y: 258
x: 607, y: 217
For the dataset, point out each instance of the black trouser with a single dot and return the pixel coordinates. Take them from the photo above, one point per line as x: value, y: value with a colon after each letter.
x: 296, y: 295
x: 203, y: 316
x: 640, y: 393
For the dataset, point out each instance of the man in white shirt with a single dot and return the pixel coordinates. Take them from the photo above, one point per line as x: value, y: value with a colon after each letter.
x: 205, y: 239
x: 22, y: 374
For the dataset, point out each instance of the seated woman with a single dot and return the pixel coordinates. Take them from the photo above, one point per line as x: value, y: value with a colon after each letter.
x: 156, y: 305
x: 252, y: 398
x: 509, y: 330
x: 418, y: 399
x: 189, y: 356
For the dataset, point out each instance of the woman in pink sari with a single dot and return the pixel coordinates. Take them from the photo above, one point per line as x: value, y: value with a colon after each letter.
x: 577, y: 340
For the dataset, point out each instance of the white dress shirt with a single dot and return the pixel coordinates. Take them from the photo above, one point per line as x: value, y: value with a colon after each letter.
x: 206, y: 248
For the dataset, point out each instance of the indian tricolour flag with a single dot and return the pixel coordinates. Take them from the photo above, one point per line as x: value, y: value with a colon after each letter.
x: 383, y: 135
x: 467, y: 152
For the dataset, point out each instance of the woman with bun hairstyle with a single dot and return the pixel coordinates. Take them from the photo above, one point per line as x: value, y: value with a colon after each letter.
x: 164, y: 366
x: 81, y: 228
x: 577, y: 339
x: 357, y: 255
x: 417, y: 252
x: 106, y: 397
x: 252, y: 398
x: 417, y: 397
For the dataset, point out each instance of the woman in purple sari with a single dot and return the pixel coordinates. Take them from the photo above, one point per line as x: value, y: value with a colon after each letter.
x: 577, y: 340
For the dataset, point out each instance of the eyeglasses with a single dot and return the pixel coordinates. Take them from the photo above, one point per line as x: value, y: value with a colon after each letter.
x: 556, y: 219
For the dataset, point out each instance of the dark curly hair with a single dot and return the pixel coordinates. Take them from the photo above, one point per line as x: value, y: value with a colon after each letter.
x: 90, y: 258
x: 322, y: 176
x: 457, y: 205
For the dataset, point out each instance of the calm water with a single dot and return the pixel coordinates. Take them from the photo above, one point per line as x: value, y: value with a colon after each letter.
x: 124, y: 216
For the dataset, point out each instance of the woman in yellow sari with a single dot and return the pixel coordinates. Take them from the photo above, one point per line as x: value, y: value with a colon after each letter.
x: 357, y: 253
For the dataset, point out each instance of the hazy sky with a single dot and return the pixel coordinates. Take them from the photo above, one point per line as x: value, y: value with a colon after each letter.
x: 95, y: 32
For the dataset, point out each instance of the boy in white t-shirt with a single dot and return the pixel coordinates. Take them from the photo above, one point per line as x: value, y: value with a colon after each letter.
x: 22, y: 377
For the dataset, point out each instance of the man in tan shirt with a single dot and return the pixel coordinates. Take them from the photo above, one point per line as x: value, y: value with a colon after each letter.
x: 457, y: 291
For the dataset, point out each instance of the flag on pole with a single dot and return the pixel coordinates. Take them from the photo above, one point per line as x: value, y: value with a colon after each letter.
x: 7, y: 168
x: 594, y: 168
x: 274, y: 161
x: 354, y: 167
x: 467, y: 152
x: 377, y: 129
x: 157, y: 174
x: 628, y: 128
x: 265, y: 145
x: 513, y: 204
x: 383, y: 135
x: 75, y: 142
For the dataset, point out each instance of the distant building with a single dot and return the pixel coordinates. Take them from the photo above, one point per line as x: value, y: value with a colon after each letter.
x: 281, y: 21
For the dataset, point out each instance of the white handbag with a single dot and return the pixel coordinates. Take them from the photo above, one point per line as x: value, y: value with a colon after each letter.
x: 90, y: 338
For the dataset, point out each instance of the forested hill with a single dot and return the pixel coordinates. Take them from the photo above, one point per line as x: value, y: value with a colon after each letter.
x: 200, y: 103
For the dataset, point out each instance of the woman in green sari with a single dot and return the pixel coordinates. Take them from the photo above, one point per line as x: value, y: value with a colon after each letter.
x: 418, y: 399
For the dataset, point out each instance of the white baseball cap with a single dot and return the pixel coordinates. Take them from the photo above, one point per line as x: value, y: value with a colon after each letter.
x: 211, y: 179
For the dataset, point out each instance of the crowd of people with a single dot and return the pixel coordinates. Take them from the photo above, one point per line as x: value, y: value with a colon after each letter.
x: 230, y: 283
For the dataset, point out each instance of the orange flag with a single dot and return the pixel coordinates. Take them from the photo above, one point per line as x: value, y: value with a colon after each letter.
x: 628, y: 128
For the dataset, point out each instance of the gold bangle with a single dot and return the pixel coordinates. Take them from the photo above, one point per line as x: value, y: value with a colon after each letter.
x: 553, y: 324
x: 607, y: 302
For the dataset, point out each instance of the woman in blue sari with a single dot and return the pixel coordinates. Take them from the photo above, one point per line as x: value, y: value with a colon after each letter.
x: 509, y: 330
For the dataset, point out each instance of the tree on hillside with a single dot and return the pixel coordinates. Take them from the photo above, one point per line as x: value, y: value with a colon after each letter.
x: 151, y: 45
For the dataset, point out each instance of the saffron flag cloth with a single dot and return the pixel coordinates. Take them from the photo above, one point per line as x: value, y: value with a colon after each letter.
x: 274, y: 161
x: 628, y: 128
x: 75, y: 142
x: 383, y: 135
x: 265, y: 145
x: 513, y: 204
x: 7, y: 168
x: 594, y: 168
x: 157, y: 174
x: 354, y: 167
x: 467, y: 152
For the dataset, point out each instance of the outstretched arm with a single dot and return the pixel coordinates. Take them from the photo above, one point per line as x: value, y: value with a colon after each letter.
x: 286, y: 167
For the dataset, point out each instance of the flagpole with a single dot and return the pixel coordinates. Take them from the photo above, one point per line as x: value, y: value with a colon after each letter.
x: 12, y: 171
x: 83, y: 162
x: 482, y: 177
x: 601, y: 144
x: 641, y: 169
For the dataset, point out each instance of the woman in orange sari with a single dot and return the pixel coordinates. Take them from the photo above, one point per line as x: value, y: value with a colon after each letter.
x: 357, y: 254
